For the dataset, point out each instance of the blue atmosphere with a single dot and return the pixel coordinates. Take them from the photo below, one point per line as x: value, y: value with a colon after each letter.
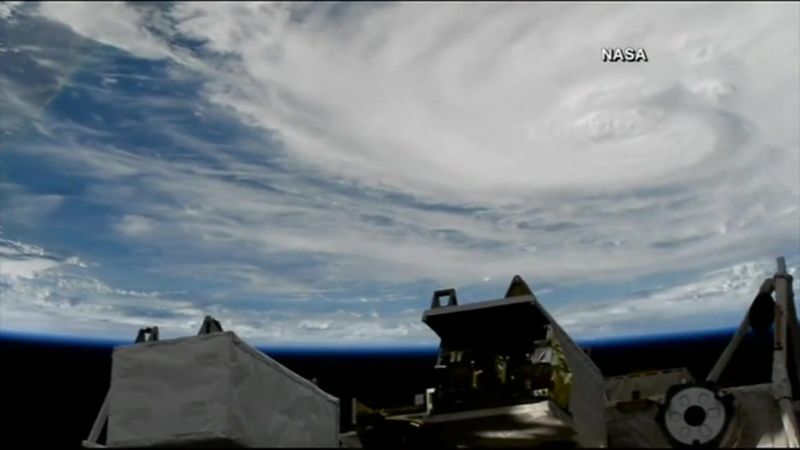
x: 309, y: 174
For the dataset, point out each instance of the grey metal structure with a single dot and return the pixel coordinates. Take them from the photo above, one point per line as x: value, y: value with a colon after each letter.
x: 703, y: 414
x: 483, y: 345
x: 212, y: 389
x: 507, y: 375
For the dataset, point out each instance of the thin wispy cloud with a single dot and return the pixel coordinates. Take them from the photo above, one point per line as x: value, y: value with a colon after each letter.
x: 291, y: 159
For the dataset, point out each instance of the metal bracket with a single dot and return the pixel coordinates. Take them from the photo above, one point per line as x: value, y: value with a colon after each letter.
x: 210, y: 325
x: 449, y: 293
x: 518, y: 287
x: 149, y: 334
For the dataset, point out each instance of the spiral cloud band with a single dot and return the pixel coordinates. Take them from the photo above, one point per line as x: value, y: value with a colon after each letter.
x: 300, y: 158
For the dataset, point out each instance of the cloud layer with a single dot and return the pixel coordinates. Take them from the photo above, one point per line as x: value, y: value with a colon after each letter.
x: 296, y: 158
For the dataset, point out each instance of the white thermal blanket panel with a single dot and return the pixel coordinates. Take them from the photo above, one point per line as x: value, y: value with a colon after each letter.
x: 214, y: 388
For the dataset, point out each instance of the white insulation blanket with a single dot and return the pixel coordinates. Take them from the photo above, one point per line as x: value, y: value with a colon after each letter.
x: 214, y: 388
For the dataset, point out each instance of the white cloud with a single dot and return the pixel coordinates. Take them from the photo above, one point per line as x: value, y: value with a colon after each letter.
x: 40, y: 293
x: 115, y: 23
x: 133, y: 225
x: 490, y: 103
x: 19, y: 261
x: 7, y: 9
x: 585, y: 125
x: 725, y: 294
x: 508, y: 106
x: 28, y: 268
x: 575, y: 169
x: 315, y: 325
x: 25, y: 207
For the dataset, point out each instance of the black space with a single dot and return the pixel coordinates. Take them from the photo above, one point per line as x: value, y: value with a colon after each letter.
x: 51, y: 392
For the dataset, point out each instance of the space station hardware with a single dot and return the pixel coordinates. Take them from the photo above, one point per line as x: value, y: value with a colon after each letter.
x: 633, y: 402
x: 697, y: 415
x: 668, y: 408
x: 211, y: 389
x: 766, y: 413
x: 399, y: 427
x: 638, y: 388
x: 147, y: 334
x: 509, y: 375
x: 506, y: 375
